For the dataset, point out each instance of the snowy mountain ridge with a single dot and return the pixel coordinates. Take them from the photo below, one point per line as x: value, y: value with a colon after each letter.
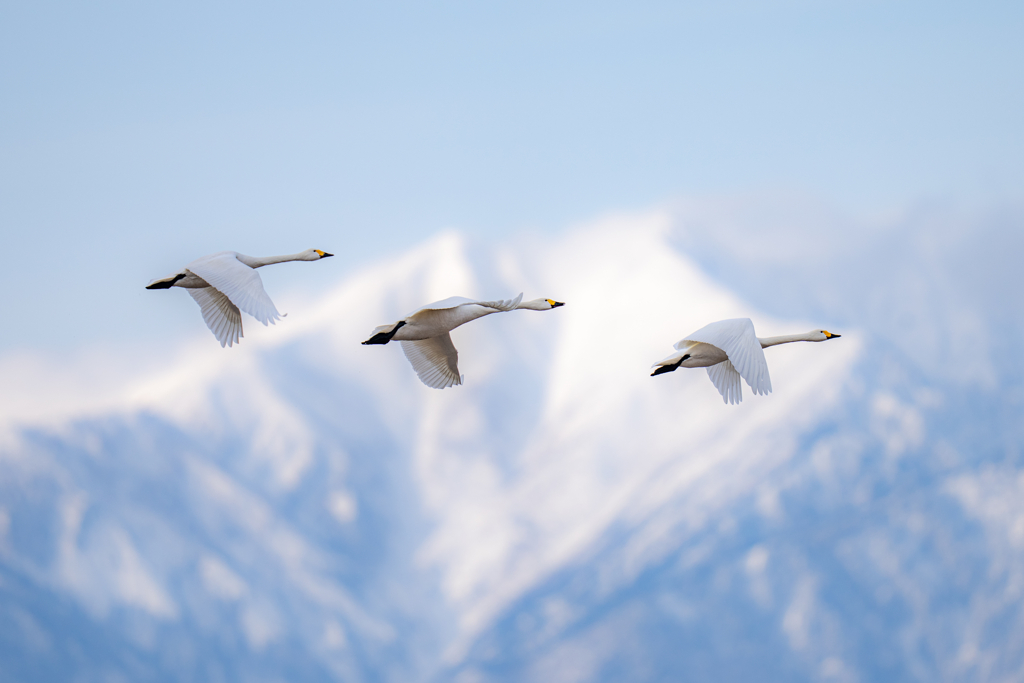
x: 302, y: 507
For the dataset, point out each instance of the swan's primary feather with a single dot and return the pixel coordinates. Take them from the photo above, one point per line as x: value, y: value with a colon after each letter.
x: 221, y: 316
x: 727, y: 381
x: 502, y: 305
x: 736, y: 337
x: 435, y: 361
x: 456, y: 301
x: 238, y: 282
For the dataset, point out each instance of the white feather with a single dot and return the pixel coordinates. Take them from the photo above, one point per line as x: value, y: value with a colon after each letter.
x: 737, y: 339
x: 435, y: 360
x: 727, y: 381
x: 426, y: 339
x: 221, y: 316
x: 226, y: 283
x: 238, y: 282
x: 730, y: 350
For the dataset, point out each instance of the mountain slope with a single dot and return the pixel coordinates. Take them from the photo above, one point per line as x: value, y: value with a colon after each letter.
x: 301, y: 507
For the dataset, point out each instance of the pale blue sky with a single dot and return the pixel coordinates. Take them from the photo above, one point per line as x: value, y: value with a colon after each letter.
x: 136, y: 137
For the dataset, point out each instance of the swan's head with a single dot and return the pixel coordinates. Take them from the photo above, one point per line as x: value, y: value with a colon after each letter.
x: 540, y: 305
x: 314, y: 255
x: 823, y: 335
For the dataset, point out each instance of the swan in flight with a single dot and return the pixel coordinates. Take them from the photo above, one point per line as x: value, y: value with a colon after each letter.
x: 227, y: 281
x: 729, y: 349
x: 425, y: 337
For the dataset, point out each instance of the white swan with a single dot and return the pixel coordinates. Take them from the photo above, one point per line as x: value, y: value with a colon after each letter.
x: 729, y: 349
x: 425, y: 337
x: 224, y: 282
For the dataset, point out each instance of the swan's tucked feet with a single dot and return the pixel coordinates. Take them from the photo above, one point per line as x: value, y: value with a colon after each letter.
x: 384, y: 337
x: 669, y: 368
x: 166, y: 283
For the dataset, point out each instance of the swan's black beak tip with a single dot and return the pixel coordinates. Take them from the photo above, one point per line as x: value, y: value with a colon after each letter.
x: 326, y: 255
x: 834, y: 336
x: 557, y: 304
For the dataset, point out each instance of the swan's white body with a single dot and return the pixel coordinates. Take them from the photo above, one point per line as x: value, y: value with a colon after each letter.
x: 425, y: 337
x: 730, y: 350
x: 227, y: 281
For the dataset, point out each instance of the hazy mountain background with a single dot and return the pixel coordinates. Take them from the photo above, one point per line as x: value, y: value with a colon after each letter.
x: 301, y: 508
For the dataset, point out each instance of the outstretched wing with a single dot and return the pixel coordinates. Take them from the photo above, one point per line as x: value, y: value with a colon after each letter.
x: 456, y: 301
x: 221, y: 316
x: 502, y: 305
x: 435, y: 361
x: 736, y: 337
x: 727, y: 381
x: 238, y: 282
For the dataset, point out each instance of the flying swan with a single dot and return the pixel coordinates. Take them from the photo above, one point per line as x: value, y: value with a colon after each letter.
x: 729, y: 349
x: 227, y: 281
x: 425, y: 337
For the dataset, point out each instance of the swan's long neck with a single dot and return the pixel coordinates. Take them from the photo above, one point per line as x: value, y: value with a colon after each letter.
x: 260, y: 261
x: 784, y: 339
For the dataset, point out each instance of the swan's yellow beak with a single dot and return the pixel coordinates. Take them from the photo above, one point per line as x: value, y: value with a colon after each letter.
x: 829, y: 335
x: 554, y: 304
x: 322, y: 254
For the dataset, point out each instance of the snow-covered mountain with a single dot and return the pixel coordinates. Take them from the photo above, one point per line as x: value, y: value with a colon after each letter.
x: 300, y: 507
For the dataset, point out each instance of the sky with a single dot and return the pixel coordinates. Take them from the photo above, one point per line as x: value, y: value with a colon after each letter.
x: 851, y: 165
x: 134, y: 138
